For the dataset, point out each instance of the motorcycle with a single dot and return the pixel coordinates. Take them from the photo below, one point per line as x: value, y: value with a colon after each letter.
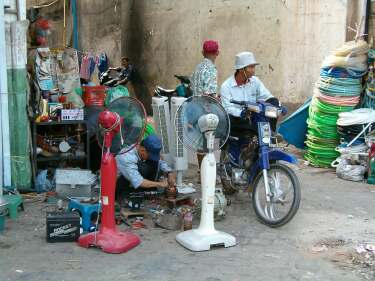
x: 253, y: 162
x: 107, y: 78
x: 182, y: 90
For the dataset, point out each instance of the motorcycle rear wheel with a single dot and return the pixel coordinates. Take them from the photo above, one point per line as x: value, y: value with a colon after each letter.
x: 266, y: 211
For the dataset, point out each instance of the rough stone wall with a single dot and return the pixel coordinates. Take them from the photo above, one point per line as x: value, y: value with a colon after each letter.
x: 99, y: 27
x: 163, y: 37
x: 309, y: 31
x: 289, y: 38
x: 371, y: 28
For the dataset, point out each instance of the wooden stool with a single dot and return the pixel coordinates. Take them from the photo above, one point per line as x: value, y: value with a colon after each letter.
x: 125, y: 214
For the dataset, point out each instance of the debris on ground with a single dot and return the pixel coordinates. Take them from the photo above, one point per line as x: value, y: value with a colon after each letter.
x: 329, y: 243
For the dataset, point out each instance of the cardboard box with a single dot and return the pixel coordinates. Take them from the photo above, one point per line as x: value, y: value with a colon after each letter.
x: 72, y: 114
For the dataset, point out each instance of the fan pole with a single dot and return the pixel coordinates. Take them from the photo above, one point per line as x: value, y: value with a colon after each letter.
x: 208, y: 180
x: 108, y: 173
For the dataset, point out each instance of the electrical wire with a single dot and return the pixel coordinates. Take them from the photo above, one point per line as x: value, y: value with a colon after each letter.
x: 100, y: 198
x: 46, y: 5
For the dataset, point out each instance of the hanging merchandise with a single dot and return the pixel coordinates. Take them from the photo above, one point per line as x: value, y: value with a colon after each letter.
x: 39, y: 31
x: 85, y: 68
x: 66, y: 69
x: 369, y: 96
x: 338, y: 90
x: 88, y: 65
x: 103, y: 63
x: 43, y: 69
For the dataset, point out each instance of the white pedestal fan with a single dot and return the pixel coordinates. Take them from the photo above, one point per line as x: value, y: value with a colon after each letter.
x: 206, y: 129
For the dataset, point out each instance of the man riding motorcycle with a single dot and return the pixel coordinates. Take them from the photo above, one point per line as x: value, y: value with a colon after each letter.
x: 244, y: 86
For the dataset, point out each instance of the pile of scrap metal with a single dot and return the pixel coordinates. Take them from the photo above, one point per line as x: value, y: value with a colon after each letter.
x: 356, y: 130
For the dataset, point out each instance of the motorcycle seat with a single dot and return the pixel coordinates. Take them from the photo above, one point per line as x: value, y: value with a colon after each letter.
x: 183, y: 79
x: 161, y: 91
x: 233, y: 138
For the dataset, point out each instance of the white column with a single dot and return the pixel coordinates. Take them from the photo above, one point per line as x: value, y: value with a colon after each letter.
x: 6, y: 179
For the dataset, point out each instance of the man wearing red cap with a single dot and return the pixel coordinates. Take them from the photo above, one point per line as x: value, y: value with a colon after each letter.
x: 204, y: 78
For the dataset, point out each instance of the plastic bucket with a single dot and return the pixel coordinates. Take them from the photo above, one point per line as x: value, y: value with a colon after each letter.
x: 2, y: 222
x: 94, y: 95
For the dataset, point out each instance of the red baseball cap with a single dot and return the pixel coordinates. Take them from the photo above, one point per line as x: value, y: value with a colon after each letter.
x: 211, y: 47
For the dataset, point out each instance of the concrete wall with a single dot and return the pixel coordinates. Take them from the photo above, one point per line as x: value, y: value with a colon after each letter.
x: 371, y: 28
x: 289, y: 38
x: 163, y: 37
x: 99, y: 27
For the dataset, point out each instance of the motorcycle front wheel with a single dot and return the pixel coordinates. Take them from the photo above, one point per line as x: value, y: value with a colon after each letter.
x: 228, y: 187
x: 285, y: 195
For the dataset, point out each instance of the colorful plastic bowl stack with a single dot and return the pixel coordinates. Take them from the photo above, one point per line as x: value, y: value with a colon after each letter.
x: 338, y: 90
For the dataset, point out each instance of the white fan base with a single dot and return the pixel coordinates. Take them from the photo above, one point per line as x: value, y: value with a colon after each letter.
x: 197, y: 240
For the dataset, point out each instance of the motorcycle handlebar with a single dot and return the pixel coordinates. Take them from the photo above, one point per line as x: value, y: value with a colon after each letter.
x: 238, y: 102
x: 255, y: 107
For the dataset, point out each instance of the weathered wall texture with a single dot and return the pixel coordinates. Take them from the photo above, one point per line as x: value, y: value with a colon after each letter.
x: 288, y: 37
x: 163, y: 37
x: 309, y: 31
x: 99, y: 27
x: 371, y: 28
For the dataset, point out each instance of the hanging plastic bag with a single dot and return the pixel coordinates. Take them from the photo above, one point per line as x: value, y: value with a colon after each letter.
x: 354, y: 48
x: 75, y: 100
x: 358, y: 63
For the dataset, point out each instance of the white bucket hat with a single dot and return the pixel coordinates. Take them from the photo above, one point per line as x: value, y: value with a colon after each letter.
x: 244, y: 59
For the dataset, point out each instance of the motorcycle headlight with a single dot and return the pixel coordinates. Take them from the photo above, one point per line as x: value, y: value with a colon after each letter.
x: 271, y: 112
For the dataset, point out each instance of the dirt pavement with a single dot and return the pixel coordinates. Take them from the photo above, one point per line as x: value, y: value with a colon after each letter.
x: 318, y: 244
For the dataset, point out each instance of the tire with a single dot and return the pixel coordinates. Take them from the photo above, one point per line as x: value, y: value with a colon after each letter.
x: 288, y: 172
x: 228, y: 187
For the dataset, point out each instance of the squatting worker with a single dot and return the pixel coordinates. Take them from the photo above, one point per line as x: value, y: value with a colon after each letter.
x: 141, y: 168
x: 204, y: 77
x: 243, y: 85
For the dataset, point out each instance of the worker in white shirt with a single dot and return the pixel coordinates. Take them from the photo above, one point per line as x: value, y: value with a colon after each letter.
x: 243, y: 85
